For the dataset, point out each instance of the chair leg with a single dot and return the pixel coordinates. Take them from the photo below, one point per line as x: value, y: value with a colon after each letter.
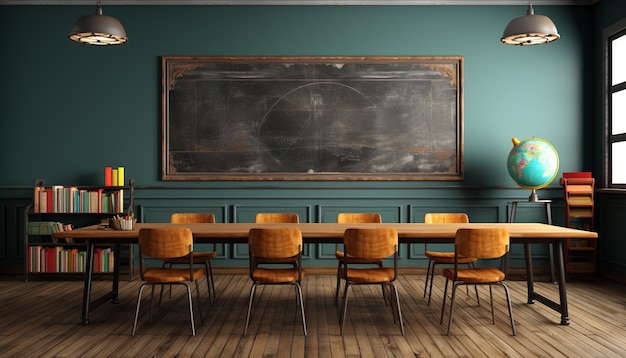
x: 151, y: 304
x: 212, y: 280
x: 161, y: 295
x: 493, y: 315
x: 508, y: 302
x: 427, y: 276
x: 382, y: 286
x: 443, y: 305
x: 432, y: 278
x: 193, y: 326
x: 454, y: 287
x: 252, y: 290
x: 392, y: 302
x: 199, y: 303
x: 299, y: 298
x: 170, y: 266
x: 344, y: 308
x: 397, y: 302
x: 208, y: 281
x: 477, y: 297
x: 137, y: 310
x: 338, y: 283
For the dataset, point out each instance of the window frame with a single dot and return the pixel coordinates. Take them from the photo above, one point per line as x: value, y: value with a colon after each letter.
x: 610, y: 34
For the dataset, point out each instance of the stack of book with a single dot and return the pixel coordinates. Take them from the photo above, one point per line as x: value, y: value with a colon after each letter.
x: 114, y: 176
x: 48, y: 228
x: 61, y: 199
x: 58, y: 259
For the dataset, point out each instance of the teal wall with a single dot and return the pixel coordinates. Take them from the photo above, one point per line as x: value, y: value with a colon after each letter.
x: 68, y: 110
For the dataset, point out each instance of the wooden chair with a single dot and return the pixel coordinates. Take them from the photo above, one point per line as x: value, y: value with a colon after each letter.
x: 167, y: 243
x: 339, y: 255
x: 277, y: 218
x: 374, y: 244
x: 199, y: 258
x: 276, y: 244
x: 438, y: 257
x: 492, y: 243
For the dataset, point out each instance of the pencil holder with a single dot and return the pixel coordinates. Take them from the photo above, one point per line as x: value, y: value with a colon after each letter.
x: 123, y: 224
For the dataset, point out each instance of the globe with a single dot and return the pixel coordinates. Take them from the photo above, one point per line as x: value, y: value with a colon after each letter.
x: 533, y: 163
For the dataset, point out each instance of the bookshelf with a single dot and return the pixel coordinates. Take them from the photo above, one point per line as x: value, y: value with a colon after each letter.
x: 580, y: 255
x: 60, y: 208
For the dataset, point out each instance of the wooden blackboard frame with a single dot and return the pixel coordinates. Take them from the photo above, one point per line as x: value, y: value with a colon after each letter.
x: 312, y: 118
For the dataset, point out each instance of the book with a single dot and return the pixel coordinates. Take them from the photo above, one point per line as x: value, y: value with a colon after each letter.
x: 57, y: 195
x: 36, y: 198
x: 43, y: 202
x: 93, y: 202
x: 120, y: 176
x: 108, y: 180
x: 49, y: 200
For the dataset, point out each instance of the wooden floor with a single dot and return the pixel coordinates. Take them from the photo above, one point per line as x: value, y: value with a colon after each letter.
x: 42, y: 318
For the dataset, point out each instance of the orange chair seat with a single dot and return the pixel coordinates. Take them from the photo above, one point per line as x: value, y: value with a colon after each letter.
x: 475, y: 275
x: 198, y: 258
x: 447, y: 257
x: 168, y: 275
x: 276, y: 275
x: 369, y: 275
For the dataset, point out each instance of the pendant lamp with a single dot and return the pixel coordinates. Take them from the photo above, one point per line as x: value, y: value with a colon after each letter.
x: 530, y: 30
x: 98, y: 29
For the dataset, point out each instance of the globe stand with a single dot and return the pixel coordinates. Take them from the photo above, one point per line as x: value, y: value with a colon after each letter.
x: 534, y: 199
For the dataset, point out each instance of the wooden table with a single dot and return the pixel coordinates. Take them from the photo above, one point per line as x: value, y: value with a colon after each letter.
x: 521, y: 233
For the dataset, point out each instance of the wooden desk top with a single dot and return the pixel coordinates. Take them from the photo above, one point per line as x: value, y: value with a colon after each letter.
x: 333, y: 232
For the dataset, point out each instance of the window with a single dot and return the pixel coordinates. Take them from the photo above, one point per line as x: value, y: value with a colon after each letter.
x: 615, y: 98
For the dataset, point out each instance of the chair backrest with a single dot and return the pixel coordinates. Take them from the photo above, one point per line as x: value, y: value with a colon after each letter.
x: 482, y: 243
x: 446, y: 218
x: 165, y: 243
x: 371, y: 243
x: 275, y: 243
x: 189, y: 218
x: 276, y: 218
x: 359, y: 218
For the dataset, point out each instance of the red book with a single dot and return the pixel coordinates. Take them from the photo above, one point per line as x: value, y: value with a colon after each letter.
x: 50, y: 259
x: 107, y: 176
x: 97, y: 259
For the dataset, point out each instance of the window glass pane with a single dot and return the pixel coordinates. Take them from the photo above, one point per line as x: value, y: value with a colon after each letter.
x: 618, y: 60
x: 618, y: 112
x: 618, y: 163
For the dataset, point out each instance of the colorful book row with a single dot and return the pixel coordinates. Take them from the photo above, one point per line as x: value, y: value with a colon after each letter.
x: 48, y: 228
x: 114, y: 176
x: 60, y: 199
x: 58, y: 259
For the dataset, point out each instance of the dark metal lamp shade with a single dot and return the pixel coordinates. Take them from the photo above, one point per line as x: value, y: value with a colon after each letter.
x: 98, y: 29
x: 530, y: 29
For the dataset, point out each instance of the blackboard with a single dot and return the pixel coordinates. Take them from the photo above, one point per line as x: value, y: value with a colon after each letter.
x: 312, y: 118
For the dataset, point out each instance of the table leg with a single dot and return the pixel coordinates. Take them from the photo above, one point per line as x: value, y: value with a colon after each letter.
x: 562, y: 288
x: 529, y: 273
x: 88, y: 280
x: 88, y: 304
x: 116, y: 274
x: 532, y: 295
x: 550, y: 246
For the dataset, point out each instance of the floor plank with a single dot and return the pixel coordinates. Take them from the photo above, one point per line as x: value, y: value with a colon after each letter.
x: 42, y: 319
